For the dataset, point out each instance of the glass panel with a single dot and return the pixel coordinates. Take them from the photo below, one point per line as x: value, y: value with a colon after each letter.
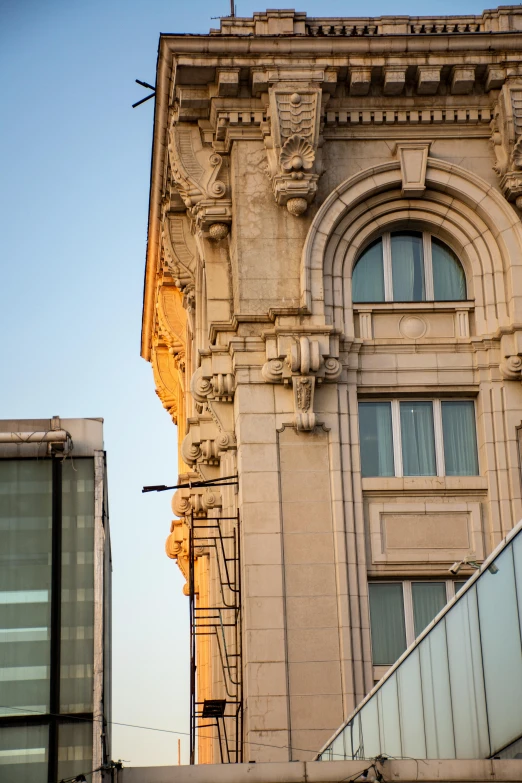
x: 418, y: 439
x: 77, y: 648
x: 501, y: 650
x: 460, y: 438
x: 337, y: 747
x: 449, y: 282
x: 468, y: 699
x: 436, y: 694
x: 410, y: 707
x: 407, y: 267
x: 389, y: 718
x: 25, y: 584
x: 428, y: 599
x: 371, y: 745
x: 368, y: 275
x: 23, y: 754
x: 387, y: 622
x: 74, y: 749
x: 375, y: 432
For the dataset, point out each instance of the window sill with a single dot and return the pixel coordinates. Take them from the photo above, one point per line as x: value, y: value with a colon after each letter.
x: 365, y: 307
x: 416, y: 483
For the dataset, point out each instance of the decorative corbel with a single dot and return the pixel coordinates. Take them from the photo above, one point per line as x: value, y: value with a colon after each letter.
x: 292, y: 146
x: 506, y: 138
x: 201, y: 178
x: 214, y: 379
x: 302, y: 360
x: 188, y: 503
x: 205, y: 441
x: 179, y: 249
x: 511, y: 353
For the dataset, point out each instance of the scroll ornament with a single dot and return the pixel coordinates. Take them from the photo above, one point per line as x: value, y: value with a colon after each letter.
x: 201, y: 178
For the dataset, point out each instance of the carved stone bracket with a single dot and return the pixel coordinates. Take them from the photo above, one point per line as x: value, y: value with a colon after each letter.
x: 188, y: 503
x: 214, y: 379
x: 302, y: 360
x: 200, y: 176
x: 506, y: 138
x: 292, y: 146
x: 205, y: 442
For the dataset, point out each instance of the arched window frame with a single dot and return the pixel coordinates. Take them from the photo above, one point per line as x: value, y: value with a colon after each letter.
x: 427, y: 237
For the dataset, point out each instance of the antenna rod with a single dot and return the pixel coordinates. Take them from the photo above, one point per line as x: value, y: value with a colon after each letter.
x: 232, y: 9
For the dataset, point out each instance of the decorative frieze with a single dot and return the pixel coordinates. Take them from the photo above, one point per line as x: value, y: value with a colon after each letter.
x: 302, y: 360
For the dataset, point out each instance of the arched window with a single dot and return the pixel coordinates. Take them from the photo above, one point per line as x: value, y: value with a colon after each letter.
x: 408, y: 266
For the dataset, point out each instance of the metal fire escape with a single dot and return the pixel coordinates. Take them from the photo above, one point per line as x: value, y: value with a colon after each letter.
x: 220, y: 621
x: 220, y: 535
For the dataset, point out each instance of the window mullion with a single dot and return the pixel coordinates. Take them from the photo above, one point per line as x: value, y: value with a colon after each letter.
x: 397, y: 441
x: 439, y: 446
x: 428, y: 266
x: 386, y: 255
x: 408, y: 612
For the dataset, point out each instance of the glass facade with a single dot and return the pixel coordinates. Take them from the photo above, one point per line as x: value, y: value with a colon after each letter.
x: 47, y: 645
x: 456, y: 693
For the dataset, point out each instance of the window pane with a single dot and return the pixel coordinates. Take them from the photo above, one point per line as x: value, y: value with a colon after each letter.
x: 501, y: 650
x: 387, y: 623
x: 458, y: 586
x: 368, y: 275
x: 75, y: 749
x: 407, y: 267
x: 23, y: 754
x: 25, y: 584
x: 418, y: 440
x: 375, y: 431
x: 449, y: 282
x: 468, y: 699
x: 428, y: 599
x: 460, y: 439
x: 436, y: 694
x: 77, y: 647
x: 410, y: 707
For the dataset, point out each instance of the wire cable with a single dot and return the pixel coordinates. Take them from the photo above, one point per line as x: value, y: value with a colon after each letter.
x: 145, y: 728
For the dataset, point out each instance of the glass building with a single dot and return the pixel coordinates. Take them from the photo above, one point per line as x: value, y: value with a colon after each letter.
x: 456, y: 693
x: 54, y: 600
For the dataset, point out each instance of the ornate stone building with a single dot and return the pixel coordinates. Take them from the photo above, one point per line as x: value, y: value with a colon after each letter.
x: 333, y: 313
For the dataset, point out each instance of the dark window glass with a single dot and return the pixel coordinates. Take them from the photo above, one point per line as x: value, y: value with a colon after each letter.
x: 387, y: 622
x: 407, y: 267
x: 368, y: 275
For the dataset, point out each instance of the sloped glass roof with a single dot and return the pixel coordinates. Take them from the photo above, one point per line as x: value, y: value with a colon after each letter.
x: 456, y: 693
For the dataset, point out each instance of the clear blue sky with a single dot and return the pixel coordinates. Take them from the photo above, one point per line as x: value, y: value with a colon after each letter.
x: 75, y: 174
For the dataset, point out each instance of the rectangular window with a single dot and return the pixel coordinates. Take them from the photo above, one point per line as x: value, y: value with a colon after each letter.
x: 387, y: 622
x: 428, y: 599
x: 375, y: 422
x: 400, y: 611
x: 460, y: 439
x: 418, y: 438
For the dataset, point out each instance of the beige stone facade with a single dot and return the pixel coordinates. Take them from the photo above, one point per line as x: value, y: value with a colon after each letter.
x: 284, y: 148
